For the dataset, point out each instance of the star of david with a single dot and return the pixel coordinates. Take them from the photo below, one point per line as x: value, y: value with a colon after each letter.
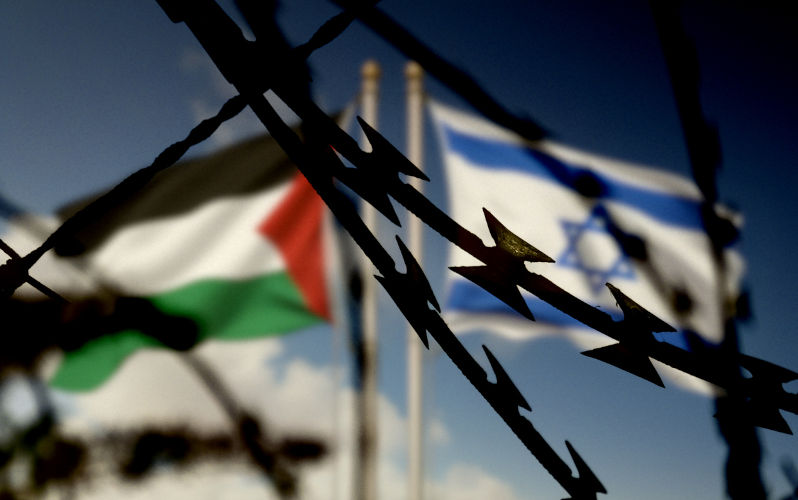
x: 596, y: 273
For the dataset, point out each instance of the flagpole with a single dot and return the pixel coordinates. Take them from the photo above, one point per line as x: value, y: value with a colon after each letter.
x: 415, y: 136
x: 366, y: 455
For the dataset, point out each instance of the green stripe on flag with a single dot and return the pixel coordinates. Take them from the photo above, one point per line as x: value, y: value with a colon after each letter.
x: 221, y: 309
x: 88, y: 367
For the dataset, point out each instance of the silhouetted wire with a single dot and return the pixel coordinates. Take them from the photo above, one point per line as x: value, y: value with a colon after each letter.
x: 447, y: 73
x: 317, y: 161
x: 122, y: 191
x: 467, y: 88
x: 13, y: 273
x: 743, y: 480
x: 138, y: 451
x: 632, y: 352
x: 8, y: 250
x: 168, y: 157
x: 328, y: 32
x: 502, y: 262
x: 263, y: 454
x: 16, y: 270
x: 412, y: 293
x: 34, y: 441
x: 375, y: 178
x: 251, y: 433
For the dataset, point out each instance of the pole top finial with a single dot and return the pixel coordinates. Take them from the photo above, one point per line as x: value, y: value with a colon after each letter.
x: 370, y: 70
x: 413, y: 70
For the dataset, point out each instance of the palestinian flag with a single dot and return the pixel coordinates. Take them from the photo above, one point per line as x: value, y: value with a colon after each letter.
x: 234, y: 243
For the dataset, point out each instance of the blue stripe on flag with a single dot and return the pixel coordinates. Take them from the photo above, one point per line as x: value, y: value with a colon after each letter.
x: 667, y: 208
x: 467, y: 297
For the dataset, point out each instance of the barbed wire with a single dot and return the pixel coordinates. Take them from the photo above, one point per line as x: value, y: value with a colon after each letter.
x: 375, y: 178
x: 735, y: 420
x: 503, y: 271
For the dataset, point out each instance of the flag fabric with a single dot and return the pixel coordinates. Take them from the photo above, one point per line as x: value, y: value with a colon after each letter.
x: 236, y: 242
x: 23, y: 231
x: 601, y: 220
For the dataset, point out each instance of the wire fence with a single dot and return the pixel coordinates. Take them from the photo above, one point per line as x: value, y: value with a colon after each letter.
x: 745, y: 404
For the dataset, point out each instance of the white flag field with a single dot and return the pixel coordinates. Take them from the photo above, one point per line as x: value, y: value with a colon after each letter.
x: 533, y: 190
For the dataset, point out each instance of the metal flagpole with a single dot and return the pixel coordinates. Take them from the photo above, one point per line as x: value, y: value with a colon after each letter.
x: 415, y: 138
x: 344, y: 323
x: 366, y: 455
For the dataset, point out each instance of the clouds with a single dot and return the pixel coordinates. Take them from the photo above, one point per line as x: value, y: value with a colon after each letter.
x: 468, y: 482
x: 293, y: 396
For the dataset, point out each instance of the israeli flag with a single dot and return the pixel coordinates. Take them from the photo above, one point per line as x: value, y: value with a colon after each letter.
x: 601, y: 220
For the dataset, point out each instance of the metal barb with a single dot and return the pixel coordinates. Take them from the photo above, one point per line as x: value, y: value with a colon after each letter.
x: 496, y: 280
x: 511, y: 243
x: 504, y: 385
x: 411, y: 292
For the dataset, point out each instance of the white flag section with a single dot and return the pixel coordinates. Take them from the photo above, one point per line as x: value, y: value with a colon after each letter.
x: 533, y: 189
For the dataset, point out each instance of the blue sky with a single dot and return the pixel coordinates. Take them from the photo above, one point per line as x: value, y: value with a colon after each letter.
x: 92, y: 91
